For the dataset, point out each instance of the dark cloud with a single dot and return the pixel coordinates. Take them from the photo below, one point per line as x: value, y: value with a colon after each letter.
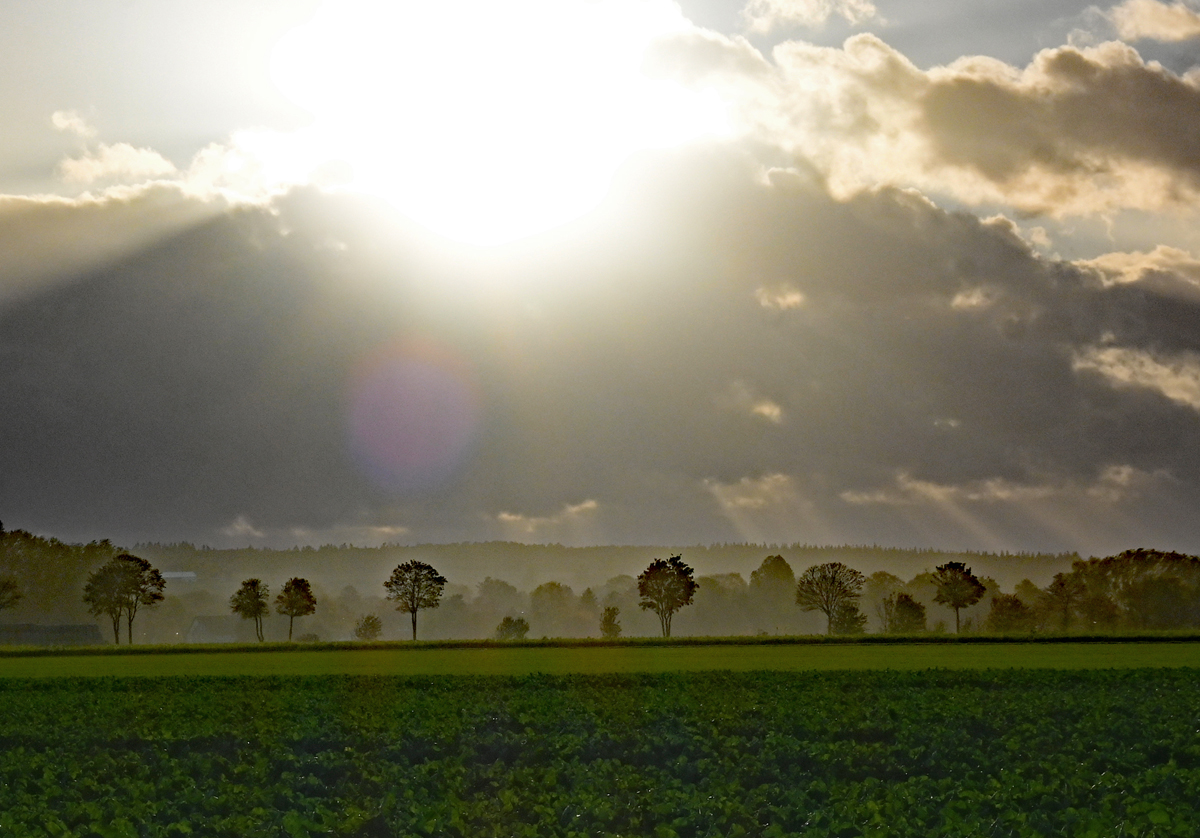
x: 708, y: 357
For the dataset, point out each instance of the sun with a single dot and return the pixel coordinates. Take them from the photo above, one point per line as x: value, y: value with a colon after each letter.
x: 488, y: 120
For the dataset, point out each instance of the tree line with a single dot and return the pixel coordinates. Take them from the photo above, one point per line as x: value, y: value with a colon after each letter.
x: 1133, y: 590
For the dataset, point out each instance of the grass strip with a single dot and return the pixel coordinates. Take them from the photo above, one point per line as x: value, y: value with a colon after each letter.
x: 562, y: 660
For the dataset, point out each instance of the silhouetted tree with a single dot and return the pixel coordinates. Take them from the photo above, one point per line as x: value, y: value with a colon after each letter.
x: 774, y: 574
x: 847, y: 619
x: 415, y: 585
x: 826, y: 588
x: 295, y: 600
x: 1009, y: 613
x: 957, y: 587
x: 512, y: 629
x: 121, y: 586
x: 368, y: 627
x: 1062, y: 595
x: 553, y: 609
x: 665, y: 587
x: 1158, y: 602
x: 250, y: 602
x: 104, y: 594
x: 901, y: 614
x: 610, y: 627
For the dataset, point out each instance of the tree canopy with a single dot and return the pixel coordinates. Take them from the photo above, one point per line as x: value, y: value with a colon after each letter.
x: 415, y: 585
x: 957, y: 587
x: 665, y: 587
x: 610, y: 626
x: 295, y: 600
x: 827, y: 588
x: 121, y: 586
x: 511, y: 628
x: 250, y: 603
x: 368, y: 627
x: 901, y: 614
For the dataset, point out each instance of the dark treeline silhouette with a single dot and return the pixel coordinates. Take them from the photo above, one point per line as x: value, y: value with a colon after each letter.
x: 554, y: 591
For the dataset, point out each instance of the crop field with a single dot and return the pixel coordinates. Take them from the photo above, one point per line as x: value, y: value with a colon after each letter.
x: 1095, y: 753
x: 475, y: 659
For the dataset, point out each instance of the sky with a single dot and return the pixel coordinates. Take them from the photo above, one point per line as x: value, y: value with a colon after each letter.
x: 916, y: 274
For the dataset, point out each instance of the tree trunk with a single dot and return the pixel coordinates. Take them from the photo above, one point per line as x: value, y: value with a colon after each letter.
x: 956, y: 619
x: 414, y: 619
x: 116, y: 618
x: 291, y: 619
x: 129, y: 629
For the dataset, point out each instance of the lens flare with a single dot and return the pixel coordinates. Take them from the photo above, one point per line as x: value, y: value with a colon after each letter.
x: 413, y: 417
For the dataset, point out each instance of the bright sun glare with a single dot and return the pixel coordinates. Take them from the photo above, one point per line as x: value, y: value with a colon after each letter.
x: 488, y: 120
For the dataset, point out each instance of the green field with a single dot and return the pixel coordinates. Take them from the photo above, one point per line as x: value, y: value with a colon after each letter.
x: 953, y: 753
x: 561, y: 660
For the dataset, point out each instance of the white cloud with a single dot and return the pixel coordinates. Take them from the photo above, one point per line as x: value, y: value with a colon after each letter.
x: 1177, y: 378
x: 242, y: 528
x: 764, y: 15
x: 973, y: 299
x: 115, y: 162
x: 741, y: 398
x: 71, y: 122
x: 561, y: 527
x: 782, y: 297
x: 1076, y: 132
x: 1168, y: 267
x: 1150, y: 19
x: 1112, y: 485
x: 768, y: 410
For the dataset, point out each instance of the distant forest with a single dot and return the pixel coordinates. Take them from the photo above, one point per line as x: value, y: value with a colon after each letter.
x: 559, y: 591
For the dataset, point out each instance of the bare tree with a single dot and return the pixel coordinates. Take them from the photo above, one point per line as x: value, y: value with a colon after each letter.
x: 828, y: 588
x: 415, y: 585
x: 665, y: 587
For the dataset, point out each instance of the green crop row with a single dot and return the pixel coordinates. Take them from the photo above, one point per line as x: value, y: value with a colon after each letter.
x: 936, y: 753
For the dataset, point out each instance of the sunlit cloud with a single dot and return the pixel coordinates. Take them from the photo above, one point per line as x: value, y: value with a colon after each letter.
x: 1176, y: 377
x: 782, y: 297
x: 973, y: 299
x: 762, y: 16
x: 1053, y: 502
x: 570, y: 525
x: 72, y: 122
x: 242, y: 528
x: 115, y: 162
x: 1169, y: 269
x: 770, y: 508
x: 1076, y: 132
x: 1150, y: 19
x: 741, y: 398
x: 49, y: 238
